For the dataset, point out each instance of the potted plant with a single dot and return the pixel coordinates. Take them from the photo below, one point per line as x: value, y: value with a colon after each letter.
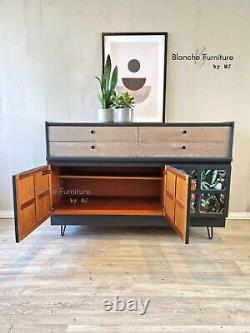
x: 108, y: 84
x: 123, y: 107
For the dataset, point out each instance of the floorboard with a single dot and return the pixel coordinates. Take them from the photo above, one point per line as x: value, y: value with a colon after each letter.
x: 50, y: 283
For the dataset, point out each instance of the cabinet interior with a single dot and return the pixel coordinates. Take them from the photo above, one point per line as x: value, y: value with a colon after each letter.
x: 107, y: 190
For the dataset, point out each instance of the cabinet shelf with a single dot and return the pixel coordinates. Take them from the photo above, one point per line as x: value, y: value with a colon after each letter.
x: 110, y: 206
x: 109, y: 177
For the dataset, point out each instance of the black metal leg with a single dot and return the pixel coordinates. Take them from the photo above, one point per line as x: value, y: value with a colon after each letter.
x: 63, y: 227
x: 210, y: 233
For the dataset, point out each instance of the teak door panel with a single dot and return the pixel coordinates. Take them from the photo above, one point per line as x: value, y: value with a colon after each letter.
x: 31, y: 200
x: 42, y: 187
x: 177, y: 189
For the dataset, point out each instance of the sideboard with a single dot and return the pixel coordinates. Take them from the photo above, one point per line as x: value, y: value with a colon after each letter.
x: 136, y: 173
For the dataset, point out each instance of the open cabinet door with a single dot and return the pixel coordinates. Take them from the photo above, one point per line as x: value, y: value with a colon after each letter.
x: 31, y: 191
x: 176, y: 194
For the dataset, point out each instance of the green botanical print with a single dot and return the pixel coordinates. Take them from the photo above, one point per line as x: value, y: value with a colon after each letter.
x: 213, y: 179
x: 212, y: 203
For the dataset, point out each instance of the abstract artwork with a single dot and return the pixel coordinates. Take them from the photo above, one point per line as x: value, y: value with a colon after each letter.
x: 141, y: 60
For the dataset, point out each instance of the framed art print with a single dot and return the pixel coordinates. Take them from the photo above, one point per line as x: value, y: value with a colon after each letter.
x: 141, y: 59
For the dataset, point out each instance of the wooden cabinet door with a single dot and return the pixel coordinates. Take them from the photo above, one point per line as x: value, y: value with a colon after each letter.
x: 176, y: 193
x: 31, y: 191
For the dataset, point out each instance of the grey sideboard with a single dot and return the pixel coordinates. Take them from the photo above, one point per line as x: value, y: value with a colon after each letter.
x: 137, y: 173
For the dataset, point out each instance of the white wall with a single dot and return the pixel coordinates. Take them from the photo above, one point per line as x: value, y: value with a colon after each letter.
x: 50, y: 51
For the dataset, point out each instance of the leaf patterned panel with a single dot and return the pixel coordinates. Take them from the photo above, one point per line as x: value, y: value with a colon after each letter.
x: 212, y: 203
x: 213, y: 180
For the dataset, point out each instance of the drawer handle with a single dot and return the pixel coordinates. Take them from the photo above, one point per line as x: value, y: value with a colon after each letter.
x: 183, y: 147
x: 92, y: 131
x: 93, y: 147
x: 184, y: 131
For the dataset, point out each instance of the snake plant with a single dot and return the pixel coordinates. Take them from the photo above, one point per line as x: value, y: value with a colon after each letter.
x: 108, y: 82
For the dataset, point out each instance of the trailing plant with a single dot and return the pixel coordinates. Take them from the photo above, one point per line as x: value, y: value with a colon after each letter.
x: 124, y: 100
x: 108, y: 82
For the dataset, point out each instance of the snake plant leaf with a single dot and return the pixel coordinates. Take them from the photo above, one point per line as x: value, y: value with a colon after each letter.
x: 107, y: 71
x: 98, y: 79
x: 104, y: 83
x: 100, y: 82
x: 100, y: 99
x: 105, y: 99
x: 114, y: 79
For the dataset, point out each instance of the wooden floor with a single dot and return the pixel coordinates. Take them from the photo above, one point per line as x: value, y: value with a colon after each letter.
x: 54, y: 284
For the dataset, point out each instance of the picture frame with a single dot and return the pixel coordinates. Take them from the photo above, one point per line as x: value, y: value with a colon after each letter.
x: 141, y: 58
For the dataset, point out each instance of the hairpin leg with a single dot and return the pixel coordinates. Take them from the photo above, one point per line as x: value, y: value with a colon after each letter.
x: 210, y: 233
x: 63, y: 227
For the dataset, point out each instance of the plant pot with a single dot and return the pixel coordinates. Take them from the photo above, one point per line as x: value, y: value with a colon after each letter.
x: 105, y: 115
x: 123, y: 115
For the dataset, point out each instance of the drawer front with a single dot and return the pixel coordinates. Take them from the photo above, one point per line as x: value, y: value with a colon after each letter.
x: 184, y: 134
x: 79, y: 133
x: 189, y: 149
x: 95, y: 149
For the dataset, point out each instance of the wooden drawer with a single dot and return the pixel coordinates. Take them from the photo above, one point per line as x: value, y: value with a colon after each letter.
x: 95, y: 133
x: 95, y: 149
x: 189, y: 149
x: 184, y: 134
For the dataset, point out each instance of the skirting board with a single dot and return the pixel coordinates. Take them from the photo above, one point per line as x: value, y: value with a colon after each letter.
x: 9, y: 214
x: 239, y: 216
x: 6, y: 214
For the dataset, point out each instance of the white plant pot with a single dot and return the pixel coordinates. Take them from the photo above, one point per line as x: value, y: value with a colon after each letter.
x: 123, y: 115
x: 105, y: 115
